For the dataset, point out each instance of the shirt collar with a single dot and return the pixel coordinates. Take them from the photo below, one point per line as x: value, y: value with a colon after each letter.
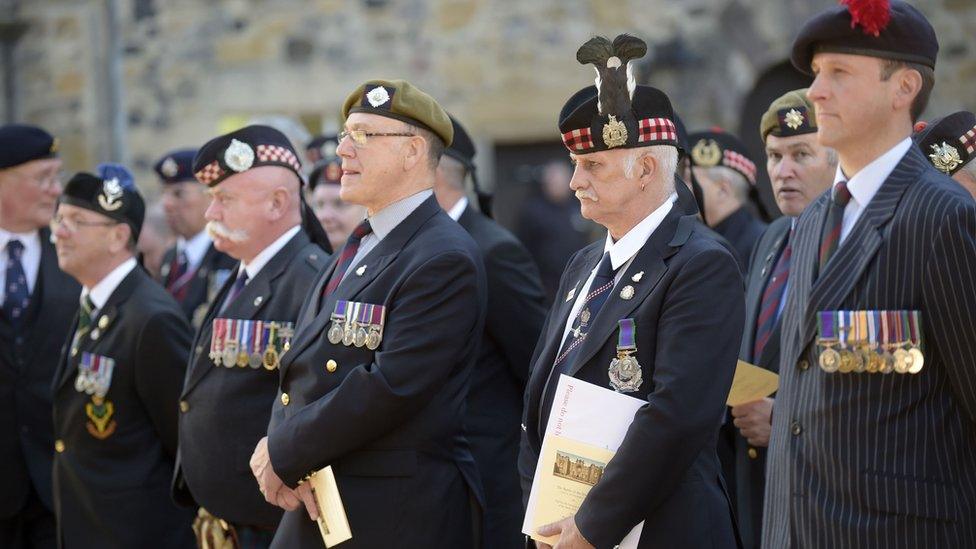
x: 385, y: 220
x: 107, y: 285
x: 29, y: 240
x: 194, y: 248
x: 865, y: 183
x: 458, y: 208
x: 262, y: 259
x: 627, y: 247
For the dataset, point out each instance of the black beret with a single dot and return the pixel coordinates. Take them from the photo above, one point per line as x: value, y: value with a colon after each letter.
x: 325, y: 172
x: 21, y: 143
x: 683, y: 147
x: 112, y: 198
x: 868, y: 27
x: 650, y: 122
x: 462, y: 149
x: 176, y: 166
x: 241, y: 150
x: 719, y: 148
x: 322, y: 147
x: 949, y: 143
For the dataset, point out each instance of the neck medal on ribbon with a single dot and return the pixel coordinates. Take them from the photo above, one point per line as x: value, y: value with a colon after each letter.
x: 625, y: 372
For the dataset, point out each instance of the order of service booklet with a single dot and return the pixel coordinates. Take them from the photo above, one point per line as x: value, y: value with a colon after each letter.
x: 333, y: 523
x: 587, y: 425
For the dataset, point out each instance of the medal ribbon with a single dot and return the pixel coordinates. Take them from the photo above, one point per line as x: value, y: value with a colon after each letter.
x: 339, y: 314
x: 916, y: 333
x: 625, y: 337
x: 245, y: 336
x: 826, y: 325
x: 843, y: 330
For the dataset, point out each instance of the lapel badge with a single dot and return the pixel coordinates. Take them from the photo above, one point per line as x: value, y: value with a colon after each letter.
x: 627, y: 292
x: 103, y: 322
x: 637, y: 277
x: 96, y: 333
x: 258, y: 300
x: 361, y: 270
x: 571, y: 294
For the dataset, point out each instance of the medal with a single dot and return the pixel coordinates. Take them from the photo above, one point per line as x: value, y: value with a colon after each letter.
x: 829, y: 359
x: 255, y: 359
x: 220, y: 328
x: 887, y: 359
x: 285, y: 333
x: 625, y: 372
x: 349, y: 331
x: 860, y: 332
x: 338, y: 318
x: 844, y: 336
x: 230, y: 344
x: 362, y: 323
x: 918, y: 359
x: 271, y: 358
x: 213, y: 341
x: 376, y: 320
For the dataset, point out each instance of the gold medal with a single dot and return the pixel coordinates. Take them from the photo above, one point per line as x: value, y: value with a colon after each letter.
x: 874, y: 362
x: 270, y: 358
x: 918, y: 360
x: 903, y: 361
x: 887, y: 363
x: 846, y: 362
x: 829, y: 360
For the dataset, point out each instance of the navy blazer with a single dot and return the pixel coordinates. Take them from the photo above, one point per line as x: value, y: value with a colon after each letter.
x: 390, y: 421
x: 881, y: 460
x: 688, y: 311
x: 212, y: 272
x: 225, y: 411
x: 27, y: 367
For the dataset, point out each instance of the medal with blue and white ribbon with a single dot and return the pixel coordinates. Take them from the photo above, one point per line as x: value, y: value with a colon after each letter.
x: 625, y: 372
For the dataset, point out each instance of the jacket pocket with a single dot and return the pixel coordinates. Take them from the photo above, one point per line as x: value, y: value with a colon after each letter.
x: 905, y: 495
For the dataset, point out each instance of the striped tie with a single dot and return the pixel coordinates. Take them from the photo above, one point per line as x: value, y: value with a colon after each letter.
x: 347, y: 255
x: 771, y: 299
x: 830, y: 238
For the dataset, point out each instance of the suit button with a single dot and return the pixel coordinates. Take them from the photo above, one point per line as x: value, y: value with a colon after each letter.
x: 752, y: 453
x: 804, y: 364
x: 184, y: 406
x: 285, y: 399
x: 795, y: 428
x: 59, y: 446
x: 331, y: 365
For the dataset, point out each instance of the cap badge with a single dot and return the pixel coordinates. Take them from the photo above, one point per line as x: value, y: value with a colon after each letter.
x: 706, y: 153
x: 945, y: 157
x: 110, y: 199
x: 614, y: 133
x: 794, y: 119
x: 239, y: 156
x: 377, y: 96
x: 169, y: 167
x: 54, y: 145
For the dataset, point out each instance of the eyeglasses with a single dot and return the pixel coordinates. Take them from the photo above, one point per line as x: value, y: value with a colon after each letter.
x: 359, y: 137
x: 71, y: 225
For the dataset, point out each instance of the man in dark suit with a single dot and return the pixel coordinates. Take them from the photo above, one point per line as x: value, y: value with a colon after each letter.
x: 721, y: 165
x: 193, y: 270
x: 874, y: 432
x: 515, y: 315
x: 376, y: 378
x: 116, y: 388
x: 950, y: 145
x: 662, y: 277
x: 800, y: 169
x: 226, y: 405
x: 31, y: 335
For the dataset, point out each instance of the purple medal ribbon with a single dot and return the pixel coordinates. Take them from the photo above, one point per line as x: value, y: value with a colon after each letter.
x: 625, y: 338
x: 827, y: 324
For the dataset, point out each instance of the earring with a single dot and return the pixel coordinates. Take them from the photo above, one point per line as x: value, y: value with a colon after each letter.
x: 642, y: 186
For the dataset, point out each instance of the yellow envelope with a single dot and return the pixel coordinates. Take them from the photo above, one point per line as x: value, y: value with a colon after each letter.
x: 751, y: 383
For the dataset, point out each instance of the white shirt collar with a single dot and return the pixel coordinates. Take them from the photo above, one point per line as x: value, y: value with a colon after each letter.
x: 106, y: 286
x: 458, y: 208
x: 194, y: 248
x: 627, y: 247
x: 32, y: 238
x: 262, y: 259
x: 387, y: 219
x: 865, y: 183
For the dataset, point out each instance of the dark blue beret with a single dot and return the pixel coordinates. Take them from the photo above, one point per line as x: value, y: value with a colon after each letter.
x: 21, y: 143
x: 112, y: 198
x: 176, y: 166
x: 241, y: 150
x: 949, y: 143
x: 868, y: 27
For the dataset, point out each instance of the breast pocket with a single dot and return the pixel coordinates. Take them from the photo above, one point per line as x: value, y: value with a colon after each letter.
x: 905, y: 495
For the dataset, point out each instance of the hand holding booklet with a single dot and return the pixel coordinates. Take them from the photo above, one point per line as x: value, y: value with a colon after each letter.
x: 333, y: 523
x: 586, y: 427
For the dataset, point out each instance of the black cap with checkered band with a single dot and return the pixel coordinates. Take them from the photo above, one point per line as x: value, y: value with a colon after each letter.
x: 717, y: 147
x: 241, y: 150
x: 949, y: 143
x: 616, y: 113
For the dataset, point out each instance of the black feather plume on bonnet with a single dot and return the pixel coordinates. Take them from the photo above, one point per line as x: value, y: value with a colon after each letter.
x: 615, y: 82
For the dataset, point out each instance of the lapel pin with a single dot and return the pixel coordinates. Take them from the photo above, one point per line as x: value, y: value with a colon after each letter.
x: 95, y: 333
x: 571, y: 293
x: 258, y: 300
x: 637, y: 277
x: 202, y: 273
x: 103, y: 322
x: 361, y: 270
x: 627, y: 292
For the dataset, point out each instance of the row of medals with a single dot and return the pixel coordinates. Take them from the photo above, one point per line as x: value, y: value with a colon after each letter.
x: 349, y: 331
x: 231, y: 355
x: 903, y: 358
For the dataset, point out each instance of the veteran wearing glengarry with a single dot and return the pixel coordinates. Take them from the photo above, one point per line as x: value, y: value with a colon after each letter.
x: 116, y: 388
x: 255, y: 216
x: 874, y: 433
x: 654, y: 311
x: 375, y: 381
x: 950, y: 145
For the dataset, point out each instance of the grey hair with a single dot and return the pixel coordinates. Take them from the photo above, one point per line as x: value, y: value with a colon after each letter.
x: 667, y: 161
x: 738, y: 182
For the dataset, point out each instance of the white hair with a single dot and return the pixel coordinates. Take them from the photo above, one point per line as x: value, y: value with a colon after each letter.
x: 666, y: 157
x: 738, y: 182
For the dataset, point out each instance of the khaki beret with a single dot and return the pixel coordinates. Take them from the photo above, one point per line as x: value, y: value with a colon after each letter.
x: 790, y: 114
x: 401, y: 100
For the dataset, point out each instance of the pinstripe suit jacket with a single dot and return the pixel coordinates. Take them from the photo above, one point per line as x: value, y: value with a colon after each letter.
x: 881, y: 460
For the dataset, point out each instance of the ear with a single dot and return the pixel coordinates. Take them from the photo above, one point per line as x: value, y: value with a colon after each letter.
x: 280, y: 200
x: 416, y: 152
x: 649, y: 167
x: 119, y: 237
x: 909, y: 83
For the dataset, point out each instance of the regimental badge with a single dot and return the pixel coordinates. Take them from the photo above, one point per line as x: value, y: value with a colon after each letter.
x: 794, y: 119
x: 637, y: 277
x: 945, y: 157
x: 627, y: 293
x: 169, y: 167
x: 378, y: 96
x: 614, y: 133
x: 239, y: 156
x: 55, y: 144
x: 706, y: 153
x: 625, y: 373
x: 110, y: 198
x: 100, y: 423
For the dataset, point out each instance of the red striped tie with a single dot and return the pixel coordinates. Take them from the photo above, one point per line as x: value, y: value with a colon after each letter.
x: 830, y: 238
x: 345, y: 258
x: 771, y: 298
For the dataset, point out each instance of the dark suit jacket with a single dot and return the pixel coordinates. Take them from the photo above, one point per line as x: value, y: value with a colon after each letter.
x: 389, y: 421
x: 227, y: 409
x: 114, y: 492
x: 881, y: 460
x: 688, y: 310
x: 204, y: 284
x: 27, y: 368
x: 742, y: 230
x: 515, y: 317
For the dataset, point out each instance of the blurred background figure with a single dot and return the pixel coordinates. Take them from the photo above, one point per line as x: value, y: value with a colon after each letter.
x: 727, y: 176
x: 155, y: 240
x: 950, y: 145
x: 338, y: 218
x: 550, y: 225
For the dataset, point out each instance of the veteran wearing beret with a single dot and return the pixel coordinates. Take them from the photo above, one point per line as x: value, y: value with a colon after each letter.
x: 116, y: 388
x: 35, y: 293
x: 800, y: 170
x: 950, y: 145
x: 873, y: 441
x: 193, y: 270
x: 337, y: 216
x: 659, y: 289
x: 376, y: 378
